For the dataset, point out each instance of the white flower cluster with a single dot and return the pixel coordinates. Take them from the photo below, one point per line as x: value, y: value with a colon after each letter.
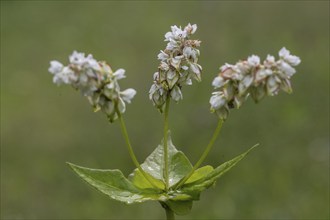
x: 178, y: 65
x: 96, y: 81
x: 250, y: 77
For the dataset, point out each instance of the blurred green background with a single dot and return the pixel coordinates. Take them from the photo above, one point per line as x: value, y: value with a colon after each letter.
x: 43, y: 126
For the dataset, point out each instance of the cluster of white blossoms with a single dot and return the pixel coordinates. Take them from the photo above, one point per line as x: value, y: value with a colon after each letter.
x: 96, y: 81
x: 250, y: 77
x: 178, y: 65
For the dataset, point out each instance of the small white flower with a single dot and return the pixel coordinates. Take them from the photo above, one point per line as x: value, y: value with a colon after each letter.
x: 172, y: 45
x: 175, y: 62
x: 245, y: 84
x: 283, y: 52
x: 66, y: 76
x: 119, y: 74
x: 188, y: 82
x: 184, y: 67
x: 218, y: 82
x: 262, y: 73
x: 55, y: 67
x: 253, y: 60
x: 286, y: 68
x: 291, y: 59
x: 272, y: 86
x: 77, y: 58
x: 162, y: 56
x: 217, y: 100
x: 270, y: 59
x: 164, y: 66
x: 195, y: 68
x: 189, y: 53
x: 156, y: 76
x: 127, y: 95
x: 226, y: 66
x: 92, y: 63
x: 190, y: 29
x: 178, y: 33
x: 176, y: 94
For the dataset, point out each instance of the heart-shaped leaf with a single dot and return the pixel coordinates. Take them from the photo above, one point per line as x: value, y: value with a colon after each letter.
x: 179, y: 165
x: 114, y: 184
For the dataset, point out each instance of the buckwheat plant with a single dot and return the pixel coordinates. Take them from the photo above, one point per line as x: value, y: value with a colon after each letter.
x: 166, y: 175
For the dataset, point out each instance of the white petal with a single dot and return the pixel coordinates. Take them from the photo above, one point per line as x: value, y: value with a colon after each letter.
x: 247, y: 80
x: 293, y: 60
x: 262, y: 74
x: 218, y: 82
x: 162, y: 56
x: 184, y: 67
x: 128, y: 94
x: 176, y: 93
x: 287, y: 69
x: 195, y: 68
x: 272, y: 86
x: 168, y: 36
x: 188, y: 82
x: 270, y: 58
x: 171, y: 74
x: 119, y: 74
x: 217, y: 101
x: 283, y: 52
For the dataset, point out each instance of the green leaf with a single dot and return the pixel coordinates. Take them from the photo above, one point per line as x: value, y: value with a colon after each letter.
x: 200, y: 173
x: 141, y: 182
x: 114, y: 184
x: 179, y: 165
x: 194, y: 188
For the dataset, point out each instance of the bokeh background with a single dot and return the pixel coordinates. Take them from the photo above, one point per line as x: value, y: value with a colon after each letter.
x: 43, y: 126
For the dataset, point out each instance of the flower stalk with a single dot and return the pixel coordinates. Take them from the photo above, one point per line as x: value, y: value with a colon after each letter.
x: 169, y: 214
x: 166, y: 176
x: 203, y: 156
x: 130, y: 149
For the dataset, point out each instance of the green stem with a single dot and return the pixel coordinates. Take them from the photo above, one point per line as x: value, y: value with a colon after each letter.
x: 166, y: 177
x: 169, y: 214
x: 204, y: 155
x: 130, y: 149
